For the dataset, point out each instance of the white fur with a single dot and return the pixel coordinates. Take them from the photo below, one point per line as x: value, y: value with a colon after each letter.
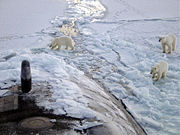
x: 159, y: 70
x: 170, y: 41
x: 64, y: 40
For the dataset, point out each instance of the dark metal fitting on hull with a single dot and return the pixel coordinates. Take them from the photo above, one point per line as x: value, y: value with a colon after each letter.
x: 26, y: 82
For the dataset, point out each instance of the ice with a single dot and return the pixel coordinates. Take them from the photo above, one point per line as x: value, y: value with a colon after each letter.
x: 67, y: 96
x: 86, y: 125
x: 3, y: 92
x: 20, y: 25
x: 117, y: 45
x: 53, y: 120
x: 80, y: 112
x: 125, y: 43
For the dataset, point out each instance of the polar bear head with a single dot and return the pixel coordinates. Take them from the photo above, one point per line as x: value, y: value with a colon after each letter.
x: 154, y: 71
x: 52, y: 45
x: 162, y: 39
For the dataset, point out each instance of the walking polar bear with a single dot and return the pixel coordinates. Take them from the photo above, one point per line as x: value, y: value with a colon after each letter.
x: 170, y: 41
x: 64, y: 40
x: 159, y: 70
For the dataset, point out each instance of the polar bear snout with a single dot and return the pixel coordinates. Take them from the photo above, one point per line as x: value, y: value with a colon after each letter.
x: 151, y: 70
x: 160, y: 39
x: 52, y: 46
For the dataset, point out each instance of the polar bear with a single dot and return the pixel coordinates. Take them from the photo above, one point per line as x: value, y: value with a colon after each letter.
x: 64, y: 40
x: 170, y: 41
x: 159, y: 70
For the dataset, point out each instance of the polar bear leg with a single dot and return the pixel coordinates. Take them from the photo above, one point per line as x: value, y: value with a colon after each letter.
x: 163, y: 74
x: 169, y: 48
x: 59, y: 47
x: 72, y: 46
x: 159, y: 76
x: 164, y: 48
x: 66, y: 46
x: 153, y: 75
x: 174, y: 45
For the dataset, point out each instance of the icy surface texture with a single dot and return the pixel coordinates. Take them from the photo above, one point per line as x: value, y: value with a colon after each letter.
x: 117, y: 45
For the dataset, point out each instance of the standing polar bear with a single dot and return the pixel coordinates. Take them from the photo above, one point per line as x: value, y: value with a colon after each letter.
x: 170, y: 41
x: 64, y: 40
x: 159, y: 70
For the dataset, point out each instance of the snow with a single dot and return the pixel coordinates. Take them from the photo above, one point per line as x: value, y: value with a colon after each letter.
x: 3, y: 92
x: 117, y: 45
x: 86, y: 125
x: 53, y: 120
x: 21, y: 21
x: 139, y: 9
x: 44, y: 67
x: 122, y: 47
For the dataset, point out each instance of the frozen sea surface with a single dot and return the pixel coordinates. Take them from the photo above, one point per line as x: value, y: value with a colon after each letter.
x: 118, y: 49
x: 21, y: 21
x: 117, y: 45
